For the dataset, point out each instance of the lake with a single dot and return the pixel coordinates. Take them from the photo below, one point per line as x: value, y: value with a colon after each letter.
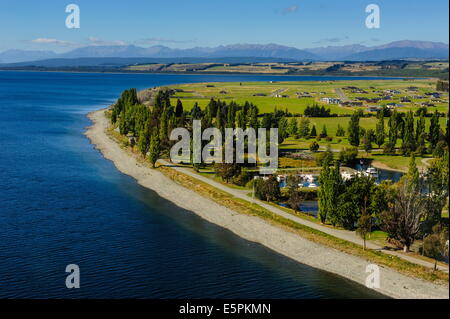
x: 62, y: 203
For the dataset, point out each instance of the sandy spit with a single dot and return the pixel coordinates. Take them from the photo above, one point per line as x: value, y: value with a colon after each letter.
x: 254, y: 229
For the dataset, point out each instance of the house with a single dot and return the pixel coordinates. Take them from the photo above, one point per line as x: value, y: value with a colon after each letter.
x: 374, y: 108
x: 330, y: 100
x: 259, y: 94
x: 405, y: 100
x: 393, y: 105
x: 436, y: 95
x: 351, y: 103
x: 392, y: 92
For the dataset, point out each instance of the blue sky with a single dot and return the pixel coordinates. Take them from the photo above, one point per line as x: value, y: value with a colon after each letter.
x: 33, y: 24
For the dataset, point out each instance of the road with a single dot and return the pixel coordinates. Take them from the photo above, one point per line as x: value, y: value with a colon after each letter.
x: 347, y: 235
x: 340, y: 93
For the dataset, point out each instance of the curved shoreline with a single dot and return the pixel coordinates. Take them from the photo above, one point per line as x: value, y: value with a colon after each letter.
x: 253, y: 228
x: 379, y: 165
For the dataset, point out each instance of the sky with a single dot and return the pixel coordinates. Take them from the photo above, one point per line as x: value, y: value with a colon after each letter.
x: 40, y: 24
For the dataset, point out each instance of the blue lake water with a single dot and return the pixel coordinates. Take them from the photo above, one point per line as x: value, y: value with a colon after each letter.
x: 62, y: 203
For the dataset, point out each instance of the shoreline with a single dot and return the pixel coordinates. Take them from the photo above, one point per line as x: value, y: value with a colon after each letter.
x: 379, y: 165
x: 377, y: 77
x: 255, y: 229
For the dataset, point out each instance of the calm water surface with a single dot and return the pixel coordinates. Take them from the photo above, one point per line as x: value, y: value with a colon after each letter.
x: 61, y: 202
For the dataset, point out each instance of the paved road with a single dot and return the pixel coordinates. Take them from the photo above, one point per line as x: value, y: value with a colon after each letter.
x: 279, y: 91
x: 340, y: 93
x: 339, y: 233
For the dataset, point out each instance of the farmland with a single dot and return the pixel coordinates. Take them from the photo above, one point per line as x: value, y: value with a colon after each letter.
x: 294, y: 97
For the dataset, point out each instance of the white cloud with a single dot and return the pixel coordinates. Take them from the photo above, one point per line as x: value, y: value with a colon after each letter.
x: 51, y: 41
x: 97, y: 41
x: 291, y: 9
x: 163, y: 40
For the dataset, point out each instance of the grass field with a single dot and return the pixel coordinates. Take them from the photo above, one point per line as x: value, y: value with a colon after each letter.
x: 295, y: 102
x: 294, y: 91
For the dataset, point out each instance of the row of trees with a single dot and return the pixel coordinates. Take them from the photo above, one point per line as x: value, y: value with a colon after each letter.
x: 317, y: 111
x: 151, y: 126
x: 413, y: 134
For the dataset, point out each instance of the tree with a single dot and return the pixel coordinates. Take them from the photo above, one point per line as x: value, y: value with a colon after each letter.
x: 294, y: 196
x: 324, y: 132
x: 413, y: 176
x: 402, y: 220
x: 268, y: 190
x: 314, y: 146
x: 164, y: 126
x: 317, y: 111
x: 381, y: 197
x: 293, y: 127
x: 313, y: 131
x: 330, y: 187
x: 294, y: 201
x: 353, y: 130
x: 227, y: 171
x: 324, y: 157
x: 354, y: 200
x: 144, y: 140
x: 340, y: 131
x: 435, y: 244
x: 179, y: 109
x: 380, y: 133
x: 437, y: 177
x: 196, y: 112
x: 393, y: 129
x: 282, y: 129
x: 420, y: 135
x: 364, y: 226
x: 303, y: 130
x: 348, y: 155
x: 434, y: 129
x: 253, y: 116
x: 155, y: 147
x: 409, y: 140
x: 240, y: 120
x: 367, y: 142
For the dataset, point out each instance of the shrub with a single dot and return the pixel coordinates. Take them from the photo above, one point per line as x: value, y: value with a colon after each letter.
x: 389, y: 149
x: 314, y: 146
x: 348, y: 155
x: 324, y: 157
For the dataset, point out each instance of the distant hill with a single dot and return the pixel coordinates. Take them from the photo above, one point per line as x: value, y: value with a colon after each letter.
x: 398, y: 53
x: 391, y: 51
x: 121, y: 62
x: 357, y: 52
x: 238, y: 50
x: 12, y: 56
x: 331, y: 53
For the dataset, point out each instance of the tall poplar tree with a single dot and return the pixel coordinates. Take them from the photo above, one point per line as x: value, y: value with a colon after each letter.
x: 380, y: 134
x: 353, y: 130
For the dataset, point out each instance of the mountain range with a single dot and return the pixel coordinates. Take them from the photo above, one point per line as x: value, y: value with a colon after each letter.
x: 394, y: 50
